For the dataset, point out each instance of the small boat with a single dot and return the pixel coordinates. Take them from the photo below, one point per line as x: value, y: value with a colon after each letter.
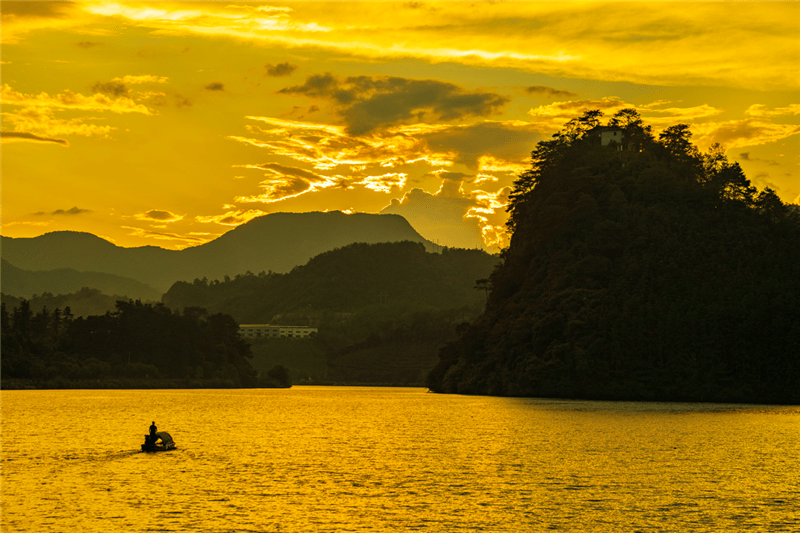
x: 152, y: 444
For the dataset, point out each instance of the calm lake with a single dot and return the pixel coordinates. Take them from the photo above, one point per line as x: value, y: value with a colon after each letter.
x: 391, y: 459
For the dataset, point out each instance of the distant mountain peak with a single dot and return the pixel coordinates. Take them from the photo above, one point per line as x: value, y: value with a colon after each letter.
x: 276, y: 242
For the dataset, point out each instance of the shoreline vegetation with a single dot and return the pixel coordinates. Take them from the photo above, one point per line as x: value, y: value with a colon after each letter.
x: 638, y: 269
x: 175, y: 384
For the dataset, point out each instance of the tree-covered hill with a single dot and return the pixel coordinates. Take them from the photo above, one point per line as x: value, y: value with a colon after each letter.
x: 25, y: 283
x: 82, y: 303
x: 345, y: 280
x: 645, y: 270
x: 383, y: 310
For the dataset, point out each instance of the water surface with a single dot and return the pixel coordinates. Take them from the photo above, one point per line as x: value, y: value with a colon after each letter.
x: 380, y: 459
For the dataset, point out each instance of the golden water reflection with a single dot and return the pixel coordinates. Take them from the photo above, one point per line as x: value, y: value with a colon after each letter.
x: 380, y: 459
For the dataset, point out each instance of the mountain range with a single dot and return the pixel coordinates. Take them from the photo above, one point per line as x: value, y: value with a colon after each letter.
x: 26, y: 283
x: 276, y: 242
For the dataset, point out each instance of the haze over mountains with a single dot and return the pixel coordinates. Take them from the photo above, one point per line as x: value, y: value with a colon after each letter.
x: 26, y: 283
x: 276, y: 242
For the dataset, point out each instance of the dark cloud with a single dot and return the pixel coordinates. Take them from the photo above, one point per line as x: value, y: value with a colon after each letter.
x: 112, y: 88
x: 313, y: 109
x: 159, y: 215
x: 87, y: 44
x: 182, y: 101
x: 508, y: 141
x: 73, y: 211
x: 24, y: 136
x: 292, y: 171
x: 281, y: 69
x: 745, y: 156
x: 216, y: 86
x: 549, y: 92
x: 367, y: 103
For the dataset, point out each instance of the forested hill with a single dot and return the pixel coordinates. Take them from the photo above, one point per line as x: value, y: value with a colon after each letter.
x: 25, y: 283
x: 643, y: 271
x: 398, y: 275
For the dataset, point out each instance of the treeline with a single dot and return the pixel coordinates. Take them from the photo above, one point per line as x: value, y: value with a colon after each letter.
x: 84, y: 302
x: 640, y: 270
x: 136, y: 345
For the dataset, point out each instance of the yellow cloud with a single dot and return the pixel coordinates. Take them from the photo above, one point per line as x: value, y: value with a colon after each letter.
x: 739, y: 133
x: 178, y: 241
x: 489, y: 163
x: 231, y: 218
x: 71, y: 100
x: 326, y: 147
x: 384, y: 183
x: 759, y: 110
x: 287, y: 182
x: 652, y: 43
x: 144, y: 78
x: 42, y: 121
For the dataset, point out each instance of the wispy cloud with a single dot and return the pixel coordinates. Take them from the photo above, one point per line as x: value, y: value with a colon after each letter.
x: 71, y: 100
x: 14, y: 136
x: 178, y: 240
x: 72, y: 211
x: 234, y: 217
x: 612, y: 42
x: 383, y: 183
x: 286, y: 182
x: 158, y: 215
x: 549, y: 92
x: 740, y: 133
x: 760, y: 110
x: 44, y: 123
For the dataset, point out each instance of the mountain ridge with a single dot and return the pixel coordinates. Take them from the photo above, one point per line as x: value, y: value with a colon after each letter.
x: 276, y: 242
x: 25, y: 283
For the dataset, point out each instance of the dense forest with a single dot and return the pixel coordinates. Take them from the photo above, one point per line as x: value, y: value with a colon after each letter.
x: 82, y: 303
x: 138, y: 345
x: 344, y: 280
x: 637, y: 270
x: 383, y: 310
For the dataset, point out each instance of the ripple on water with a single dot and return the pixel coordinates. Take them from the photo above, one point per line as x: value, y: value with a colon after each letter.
x: 350, y: 459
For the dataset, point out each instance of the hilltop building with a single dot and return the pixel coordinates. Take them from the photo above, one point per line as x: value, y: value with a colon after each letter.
x: 607, y: 134
x: 256, y: 331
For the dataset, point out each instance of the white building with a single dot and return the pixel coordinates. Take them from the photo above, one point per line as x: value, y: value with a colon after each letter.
x: 609, y: 135
x: 255, y: 331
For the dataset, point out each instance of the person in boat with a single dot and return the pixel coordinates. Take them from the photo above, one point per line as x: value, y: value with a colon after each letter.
x: 153, y: 430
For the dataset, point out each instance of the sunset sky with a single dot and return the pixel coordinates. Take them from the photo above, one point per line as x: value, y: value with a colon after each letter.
x: 170, y: 123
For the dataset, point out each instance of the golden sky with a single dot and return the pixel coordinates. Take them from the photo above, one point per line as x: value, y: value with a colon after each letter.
x: 169, y: 123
